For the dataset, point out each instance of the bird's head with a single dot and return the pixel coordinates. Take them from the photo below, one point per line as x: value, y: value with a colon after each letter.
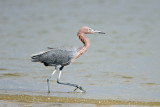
x: 88, y: 30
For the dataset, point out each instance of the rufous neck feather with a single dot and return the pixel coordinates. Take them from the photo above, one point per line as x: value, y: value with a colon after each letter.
x: 85, y: 41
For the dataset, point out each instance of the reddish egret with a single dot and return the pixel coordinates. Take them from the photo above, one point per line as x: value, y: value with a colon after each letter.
x: 63, y: 56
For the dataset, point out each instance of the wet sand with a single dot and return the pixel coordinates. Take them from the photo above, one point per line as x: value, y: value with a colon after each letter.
x: 33, y: 99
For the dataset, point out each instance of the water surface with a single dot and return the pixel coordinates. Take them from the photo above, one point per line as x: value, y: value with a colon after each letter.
x: 122, y: 65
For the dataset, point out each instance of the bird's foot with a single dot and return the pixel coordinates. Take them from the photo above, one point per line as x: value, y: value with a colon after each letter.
x: 48, y: 86
x: 79, y: 87
x: 48, y: 91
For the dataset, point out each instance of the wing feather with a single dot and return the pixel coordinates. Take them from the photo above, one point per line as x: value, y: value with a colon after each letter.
x: 58, y: 56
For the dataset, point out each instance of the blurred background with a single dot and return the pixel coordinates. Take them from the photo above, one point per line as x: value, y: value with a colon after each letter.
x: 123, y: 64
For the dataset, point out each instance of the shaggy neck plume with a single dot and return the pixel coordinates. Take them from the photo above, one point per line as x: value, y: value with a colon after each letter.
x: 85, y: 41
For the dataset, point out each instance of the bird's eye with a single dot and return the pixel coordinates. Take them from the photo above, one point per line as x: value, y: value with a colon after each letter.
x: 89, y: 30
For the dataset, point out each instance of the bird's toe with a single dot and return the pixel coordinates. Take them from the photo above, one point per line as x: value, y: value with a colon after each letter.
x: 82, y: 89
x: 79, y: 87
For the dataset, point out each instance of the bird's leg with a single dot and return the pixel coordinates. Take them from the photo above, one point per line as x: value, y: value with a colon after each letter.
x: 48, y: 79
x: 74, y: 85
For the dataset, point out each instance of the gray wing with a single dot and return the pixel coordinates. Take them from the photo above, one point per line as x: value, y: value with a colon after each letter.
x: 59, y: 56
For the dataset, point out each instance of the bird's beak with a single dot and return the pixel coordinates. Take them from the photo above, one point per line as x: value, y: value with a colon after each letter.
x: 97, y: 31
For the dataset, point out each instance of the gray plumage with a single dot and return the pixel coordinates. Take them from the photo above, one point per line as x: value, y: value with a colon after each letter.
x: 64, y: 56
x: 56, y: 56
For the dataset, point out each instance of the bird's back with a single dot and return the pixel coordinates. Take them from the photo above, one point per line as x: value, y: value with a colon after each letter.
x: 56, y: 56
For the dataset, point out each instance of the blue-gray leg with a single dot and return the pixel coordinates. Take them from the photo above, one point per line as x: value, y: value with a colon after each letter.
x: 48, y: 79
x: 74, y: 85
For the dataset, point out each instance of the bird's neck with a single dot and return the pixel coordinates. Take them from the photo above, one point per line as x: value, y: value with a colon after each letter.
x: 84, y: 48
x: 84, y: 40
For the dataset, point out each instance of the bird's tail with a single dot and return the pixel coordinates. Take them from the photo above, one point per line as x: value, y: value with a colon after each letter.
x: 35, y: 58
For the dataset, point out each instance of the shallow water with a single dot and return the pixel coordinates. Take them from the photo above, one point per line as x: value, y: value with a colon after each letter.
x: 122, y: 65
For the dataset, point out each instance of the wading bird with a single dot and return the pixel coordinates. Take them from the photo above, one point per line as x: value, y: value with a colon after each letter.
x: 63, y: 56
